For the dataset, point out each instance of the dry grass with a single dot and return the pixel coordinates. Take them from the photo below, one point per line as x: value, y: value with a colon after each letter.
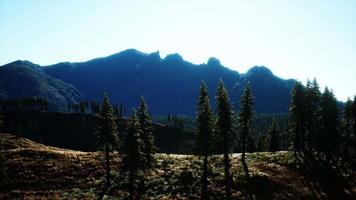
x: 35, y: 171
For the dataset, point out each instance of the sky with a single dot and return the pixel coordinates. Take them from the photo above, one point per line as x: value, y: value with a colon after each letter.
x: 298, y: 39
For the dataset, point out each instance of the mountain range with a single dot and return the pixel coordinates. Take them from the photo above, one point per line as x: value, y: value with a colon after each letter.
x: 170, y: 85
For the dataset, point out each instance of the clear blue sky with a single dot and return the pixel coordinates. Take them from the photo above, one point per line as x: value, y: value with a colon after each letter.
x: 295, y: 38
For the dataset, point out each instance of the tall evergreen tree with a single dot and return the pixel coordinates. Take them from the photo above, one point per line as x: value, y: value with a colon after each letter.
x: 145, y: 121
x: 245, y: 116
x: 273, y: 134
x: 328, y: 138
x: 297, y: 120
x: 251, y: 145
x: 107, y: 134
x: 224, y: 123
x: 312, y: 112
x: 205, y: 128
x: 133, y: 157
x: 347, y: 119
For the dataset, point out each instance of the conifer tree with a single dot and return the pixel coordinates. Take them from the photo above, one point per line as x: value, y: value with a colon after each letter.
x: 205, y: 128
x: 328, y: 138
x: 83, y: 106
x: 224, y: 123
x: 133, y: 157
x: 145, y: 121
x: 261, y: 143
x: 107, y: 134
x: 251, y: 145
x: 121, y: 110
x: 245, y: 116
x: 273, y: 133
x: 3, y: 168
x: 1, y: 122
x: 312, y: 103
x: 116, y: 110
x: 297, y: 120
x: 347, y: 118
x: 95, y: 107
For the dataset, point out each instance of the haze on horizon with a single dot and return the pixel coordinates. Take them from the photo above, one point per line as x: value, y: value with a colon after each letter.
x: 295, y: 39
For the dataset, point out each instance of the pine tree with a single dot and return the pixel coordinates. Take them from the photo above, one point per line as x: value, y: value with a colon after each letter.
x: 347, y: 118
x: 328, y: 138
x: 82, y: 107
x: 145, y: 121
x: 245, y: 116
x: 261, y: 143
x: 95, y: 108
x: 3, y: 168
x: 273, y: 133
x: 116, y: 110
x: 312, y: 103
x: 205, y: 128
x: 224, y: 123
x: 251, y: 145
x: 107, y: 134
x: 1, y: 122
x: 133, y: 157
x: 297, y: 120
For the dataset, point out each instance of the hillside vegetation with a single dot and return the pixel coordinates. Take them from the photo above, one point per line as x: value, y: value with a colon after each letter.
x: 34, y: 171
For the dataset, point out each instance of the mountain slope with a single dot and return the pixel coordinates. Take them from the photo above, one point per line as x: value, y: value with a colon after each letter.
x: 170, y: 85
x: 272, y: 94
x: 25, y: 79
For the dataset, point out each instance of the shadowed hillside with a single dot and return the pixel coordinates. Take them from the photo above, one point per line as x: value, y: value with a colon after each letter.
x: 129, y: 74
x: 25, y: 79
x: 76, y: 131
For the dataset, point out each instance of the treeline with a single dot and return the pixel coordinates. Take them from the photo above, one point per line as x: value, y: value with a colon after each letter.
x: 314, y: 127
x: 175, y: 121
x: 93, y: 107
x: 24, y: 104
x: 317, y: 125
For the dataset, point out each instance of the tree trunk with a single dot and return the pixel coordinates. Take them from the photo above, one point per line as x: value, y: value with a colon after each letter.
x: 204, y: 191
x: 354, y: 136
x: 347, y: 132
x: 302, y: 144
x: 243, y: 146
x: 244, y: 134
x: 227, y: 167
x: 107, y: 159
x: 131, y: 185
